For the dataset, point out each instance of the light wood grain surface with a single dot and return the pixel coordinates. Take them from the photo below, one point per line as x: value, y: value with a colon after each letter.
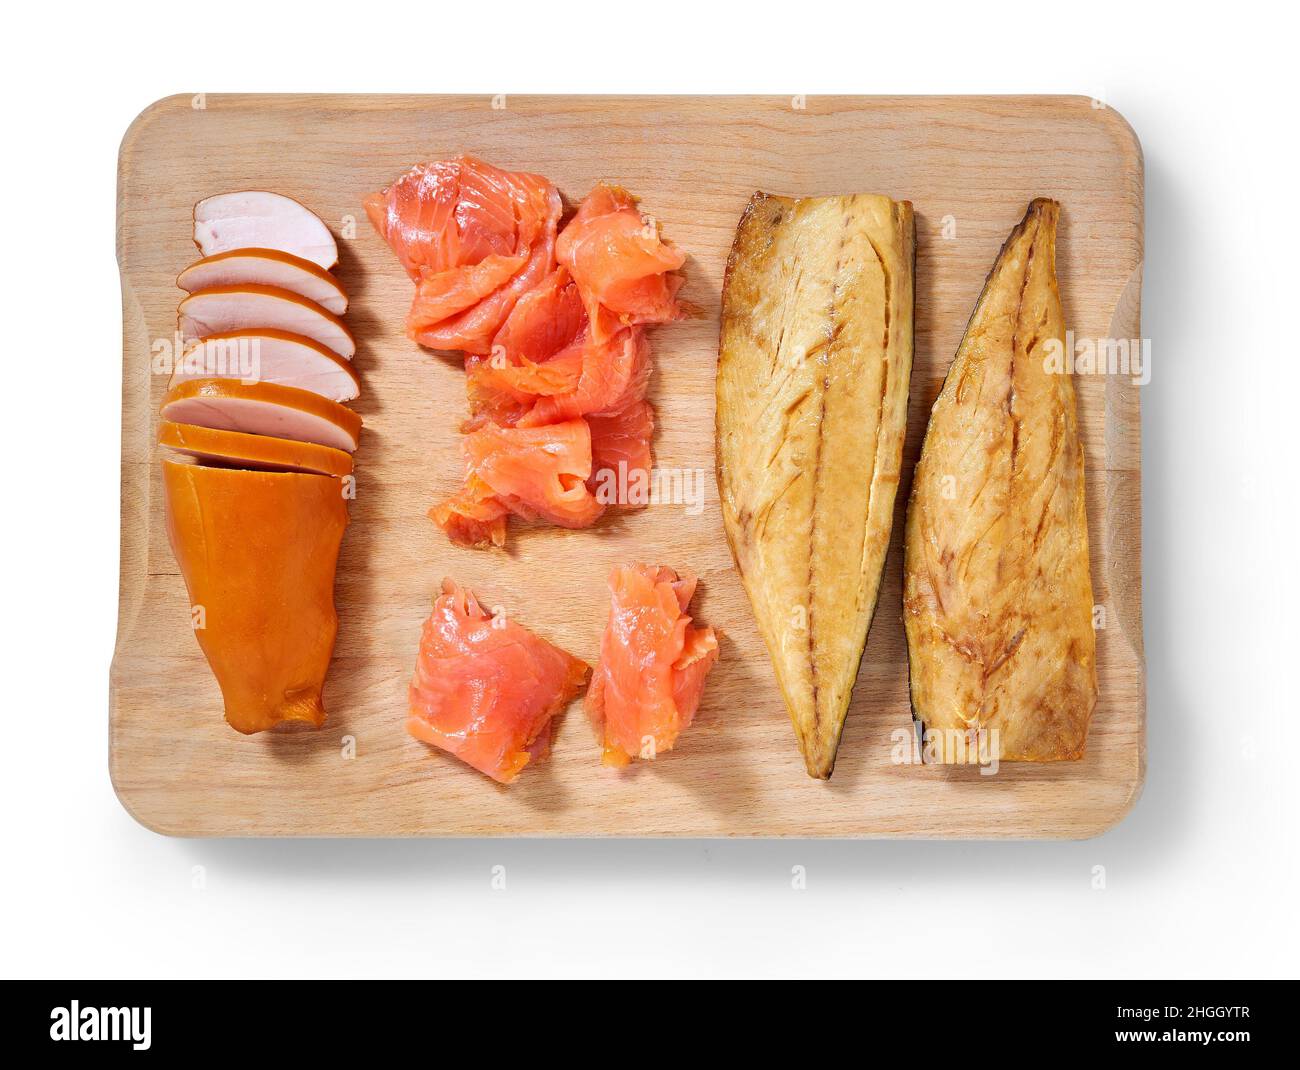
x: 973, y: 163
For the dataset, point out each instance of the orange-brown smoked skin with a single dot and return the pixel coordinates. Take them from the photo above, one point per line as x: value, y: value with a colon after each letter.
x: 258, y: 552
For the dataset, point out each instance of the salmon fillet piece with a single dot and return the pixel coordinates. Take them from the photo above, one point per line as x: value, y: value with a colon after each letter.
x: 474, y: 238
x: 626, y: 272
x: 620, y: 456
x: 533, y: 473
x: 551, y: 325
x: 486, y: 688
x: 646, y: 688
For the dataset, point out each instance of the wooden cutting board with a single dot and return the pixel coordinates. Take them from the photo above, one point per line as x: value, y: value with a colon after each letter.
x: 969, y: 165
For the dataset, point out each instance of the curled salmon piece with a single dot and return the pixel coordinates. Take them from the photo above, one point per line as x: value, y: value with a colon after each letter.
x: 544, y: 321
x: 620, y: 456
x: 611, y: 375
x: 473, y: 516
x: 624, y: 269
x: 474, y: 238
x: 505, y: 393
x: 646, y: 688
x: 537, y: 353
x: 534, y: 473
x: 452, y: 213
x: 551, y: 325
x: 585, y: 378
x: 486, y: 688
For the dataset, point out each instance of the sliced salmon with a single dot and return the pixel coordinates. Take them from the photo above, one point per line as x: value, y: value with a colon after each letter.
x: 551, y: 326
x: 474, y: 238
x: 536, y: 353
x: 440, y: 296
x: 646, y: 688
x: 545, y: 320
x: 263, y: 409
x: 504, y: 393
x: 534, y: 473
x: 473, y: 516
x: 620, y: 456
x: 584, y: 378
x: 237, y: 449
x: 613, y: 374
x: 486, y: 688
x: 624, y: 269
x: 450, y: 213
x: 473, y: 329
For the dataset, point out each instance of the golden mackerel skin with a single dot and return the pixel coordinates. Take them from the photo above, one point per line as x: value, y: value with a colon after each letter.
x: 815, y: 360
x: 997, y: 596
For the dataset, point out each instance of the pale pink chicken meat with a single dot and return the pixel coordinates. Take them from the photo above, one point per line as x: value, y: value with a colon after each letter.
x: 236, y: 308
x: 257, y: 219
x: 263, y: 409
x: 264, y: 355
x: 266, y: 267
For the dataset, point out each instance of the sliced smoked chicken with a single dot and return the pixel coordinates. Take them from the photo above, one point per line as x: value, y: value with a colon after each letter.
x: 237, y: 308
x: 266, y: 267
x: 258, y: 552
x: 265, y: 355
x: 263, y: 409
x: 257, y: 219
x: 235, y: 449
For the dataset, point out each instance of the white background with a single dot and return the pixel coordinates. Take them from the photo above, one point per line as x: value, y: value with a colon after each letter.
x: 1201, y: 879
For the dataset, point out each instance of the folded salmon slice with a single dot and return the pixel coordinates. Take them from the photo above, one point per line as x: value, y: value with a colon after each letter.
x: 474, y: 238
x: 551, y: 326
x: 449, y: 213
x: 441, y: 295
x: 584, y: 378
x: 534, y: 473
x: 486, y: 688
x: 620, y: 456
x: 611, y: 376
x: 647, y: 686
x: 544, y: 321
x: 473, y: 516
x: 624, y: 269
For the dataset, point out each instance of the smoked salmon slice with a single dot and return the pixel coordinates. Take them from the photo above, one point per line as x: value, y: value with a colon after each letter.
x: 534, y: 473
x: 620, y: 456
x: 474, y: 238
x: 584, y: 378
x: 544, y: 321
x: 647, y: 686
x: 537, y: 353
x: 552, y: 325
x: 474, y: 516
x: 611, y: 375
x: 486, y: 688
x: 626, y: 272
